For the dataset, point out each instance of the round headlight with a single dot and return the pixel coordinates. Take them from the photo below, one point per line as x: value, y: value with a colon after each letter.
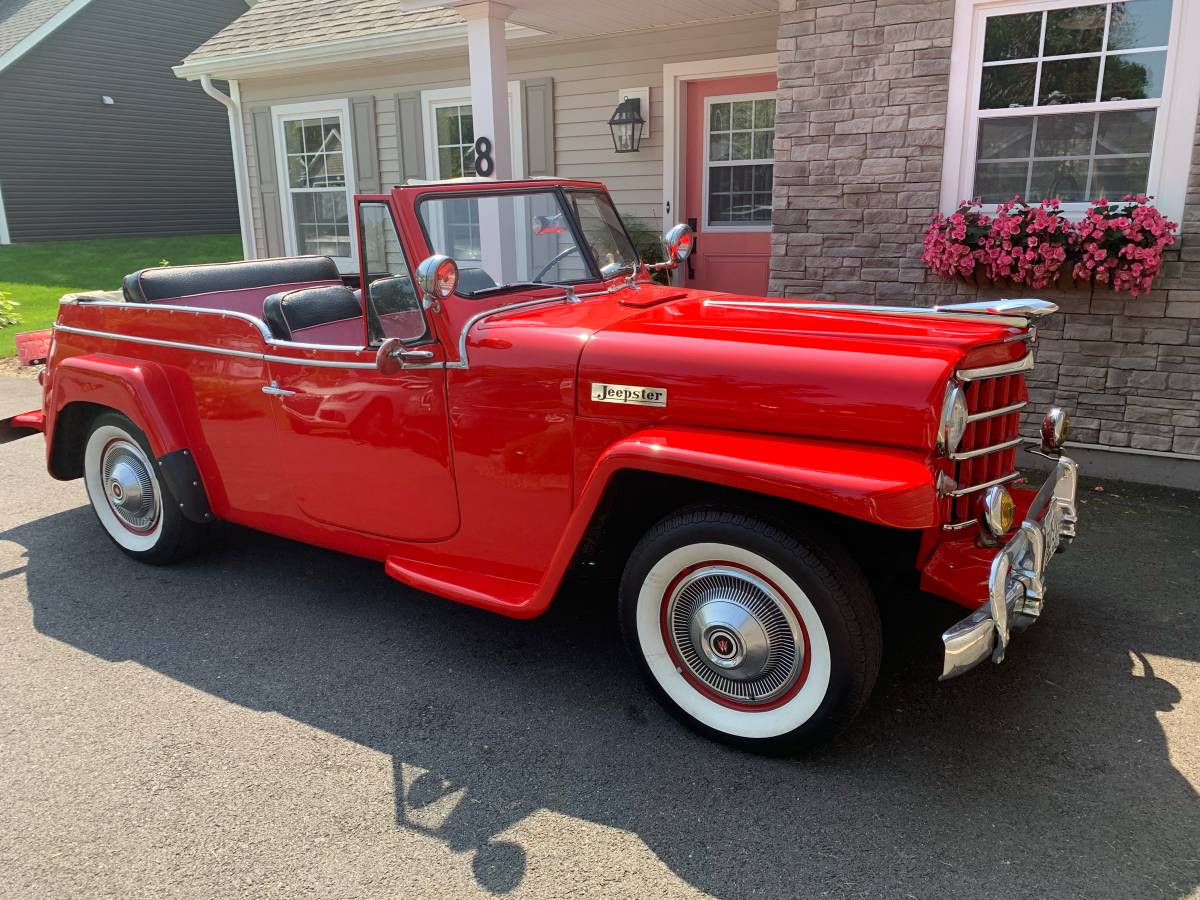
x: 1056, y: 427
x: 954, y: 419
x: 997, y: 510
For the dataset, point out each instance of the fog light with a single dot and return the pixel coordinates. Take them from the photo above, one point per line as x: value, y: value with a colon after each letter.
x: 1056, y: 427
x: 997, y: 510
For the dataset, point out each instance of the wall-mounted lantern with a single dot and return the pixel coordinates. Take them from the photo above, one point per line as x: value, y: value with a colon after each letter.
x: 627, y: 125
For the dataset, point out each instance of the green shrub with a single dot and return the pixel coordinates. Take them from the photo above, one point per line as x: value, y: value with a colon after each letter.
x: 647, y: 240
x: 8, y: 311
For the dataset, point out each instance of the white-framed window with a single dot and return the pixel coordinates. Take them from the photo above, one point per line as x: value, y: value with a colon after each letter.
x: 1071, y: 99
x: 449, y: 128
x: 739, y: 162
x: 314, y: 154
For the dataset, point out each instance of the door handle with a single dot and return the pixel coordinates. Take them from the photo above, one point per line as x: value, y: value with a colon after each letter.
x: 274, y: 390
x: 412, y: 355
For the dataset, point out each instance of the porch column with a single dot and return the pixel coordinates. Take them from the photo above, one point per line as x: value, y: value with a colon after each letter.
x: 489, y: 79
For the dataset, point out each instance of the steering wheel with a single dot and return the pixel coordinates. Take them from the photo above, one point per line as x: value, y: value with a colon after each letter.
x: 559, y: 257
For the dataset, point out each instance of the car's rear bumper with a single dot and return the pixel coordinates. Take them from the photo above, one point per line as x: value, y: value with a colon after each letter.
x: 23, y: 425
x: 1016, y: 582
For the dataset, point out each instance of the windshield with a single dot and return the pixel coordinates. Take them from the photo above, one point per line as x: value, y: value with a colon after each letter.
x: 515, y: 239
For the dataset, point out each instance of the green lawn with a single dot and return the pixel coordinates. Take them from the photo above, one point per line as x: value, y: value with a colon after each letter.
x: 36, y: 275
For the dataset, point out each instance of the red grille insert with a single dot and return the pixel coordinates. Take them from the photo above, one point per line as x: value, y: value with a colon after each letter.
x: 985, y: 395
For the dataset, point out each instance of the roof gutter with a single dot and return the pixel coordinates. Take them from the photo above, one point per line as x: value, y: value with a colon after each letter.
x: 237, y: 143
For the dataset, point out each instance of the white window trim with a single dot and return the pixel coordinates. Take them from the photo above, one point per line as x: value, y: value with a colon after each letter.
x: 675, y: 79
x: 1175, y: 136
x: 432, y: 101
x: 752, y: 228
x: 287, y: 112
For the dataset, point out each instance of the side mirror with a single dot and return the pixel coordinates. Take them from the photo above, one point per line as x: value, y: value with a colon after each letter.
x: 437, y: 277
x: 677, y: 246
x: 678, y: 243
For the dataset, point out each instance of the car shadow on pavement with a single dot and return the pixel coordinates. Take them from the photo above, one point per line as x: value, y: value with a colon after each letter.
x: 1047, y: 775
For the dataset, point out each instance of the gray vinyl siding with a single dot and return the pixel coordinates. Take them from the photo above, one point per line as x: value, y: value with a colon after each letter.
x: 156, y: 162
x: 586, y: 78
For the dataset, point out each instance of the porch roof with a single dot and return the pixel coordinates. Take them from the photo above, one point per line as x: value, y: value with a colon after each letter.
x: 275, y: 35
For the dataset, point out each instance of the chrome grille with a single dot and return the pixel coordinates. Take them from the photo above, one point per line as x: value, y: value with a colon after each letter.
x: 988, y: 451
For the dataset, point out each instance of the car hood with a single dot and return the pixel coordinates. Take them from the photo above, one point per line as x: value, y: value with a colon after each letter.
x: 747, y: 363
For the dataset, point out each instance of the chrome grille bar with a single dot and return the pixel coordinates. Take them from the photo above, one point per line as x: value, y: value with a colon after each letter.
x: 993, y: 413
x: 1003, y: 479
x: 1024, y: 364
x: 984, y: 451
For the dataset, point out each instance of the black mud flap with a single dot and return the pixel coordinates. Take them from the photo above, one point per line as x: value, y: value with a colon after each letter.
x: 13, y: 430
x: 179, y: 471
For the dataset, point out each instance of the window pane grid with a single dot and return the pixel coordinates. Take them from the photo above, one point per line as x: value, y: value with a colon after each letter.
x: 1108, y: 62
x: 739, y: 152
x: 455, y: 138
x: 1136, y: 50
x: 316, y: 181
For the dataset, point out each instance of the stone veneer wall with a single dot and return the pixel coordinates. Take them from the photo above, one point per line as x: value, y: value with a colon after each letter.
x: 858, y: 163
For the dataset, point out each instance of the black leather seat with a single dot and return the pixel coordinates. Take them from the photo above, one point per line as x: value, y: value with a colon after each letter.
x: 290, y: 311
x: 167, y: 282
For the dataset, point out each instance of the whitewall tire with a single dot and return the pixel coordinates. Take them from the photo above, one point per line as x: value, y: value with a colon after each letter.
x: 749, y: 633
x: 135, y: 508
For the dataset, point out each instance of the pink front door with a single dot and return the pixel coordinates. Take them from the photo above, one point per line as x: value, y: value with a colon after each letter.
x: 728, y: 168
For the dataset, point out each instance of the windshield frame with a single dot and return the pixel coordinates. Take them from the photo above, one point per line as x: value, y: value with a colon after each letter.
x: 585, y: 250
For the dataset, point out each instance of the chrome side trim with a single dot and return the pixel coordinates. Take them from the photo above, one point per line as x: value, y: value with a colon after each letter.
x: 993, y: 413
x: 199, y: 310
x: 569, y: 297
x: 222, y: 351
x: 984, y: 451
x: 1003, y: 479
x: 1024, y: 364
x: 318, y: 363
x: 157, y: 342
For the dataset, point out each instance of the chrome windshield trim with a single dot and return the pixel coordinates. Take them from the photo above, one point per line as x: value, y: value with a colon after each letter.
x: 993, y: 413
x: 1024, y: 364
x: 1003, y: 479
x: 984, y: 451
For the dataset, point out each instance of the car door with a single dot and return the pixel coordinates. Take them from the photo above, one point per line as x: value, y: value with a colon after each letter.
x: 365, y: 450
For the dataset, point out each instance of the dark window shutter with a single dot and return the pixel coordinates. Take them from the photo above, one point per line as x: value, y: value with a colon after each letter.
x: 366, y: 145
x: 268, y: 180
x: 538, y: 105
x: 410, y: 139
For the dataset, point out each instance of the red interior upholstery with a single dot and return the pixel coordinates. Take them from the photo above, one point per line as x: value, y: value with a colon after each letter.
x: 243, y: 300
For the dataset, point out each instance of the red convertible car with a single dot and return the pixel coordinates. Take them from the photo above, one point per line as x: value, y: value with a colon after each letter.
x: 503, y: 393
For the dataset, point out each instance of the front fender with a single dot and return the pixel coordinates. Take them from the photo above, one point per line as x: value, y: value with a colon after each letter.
x: 882, y: 485
x: 138, y: 389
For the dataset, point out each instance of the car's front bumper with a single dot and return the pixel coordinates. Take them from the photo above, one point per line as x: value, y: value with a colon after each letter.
x: 1016, y: 586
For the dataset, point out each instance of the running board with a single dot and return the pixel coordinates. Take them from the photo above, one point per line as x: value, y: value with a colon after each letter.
x: 502, y: 595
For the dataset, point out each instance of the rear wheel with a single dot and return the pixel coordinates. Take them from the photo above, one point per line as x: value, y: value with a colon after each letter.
x: 748, y: 633
x: 136, y: 509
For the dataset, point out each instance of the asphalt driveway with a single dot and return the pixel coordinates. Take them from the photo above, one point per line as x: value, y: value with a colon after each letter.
x: 277, y: 720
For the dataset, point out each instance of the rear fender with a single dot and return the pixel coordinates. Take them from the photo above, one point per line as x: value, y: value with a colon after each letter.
x: 138, y: 389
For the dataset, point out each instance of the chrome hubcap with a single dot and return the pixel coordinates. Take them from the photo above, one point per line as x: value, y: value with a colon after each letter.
x: 735, y: 633
x: 128, y: 486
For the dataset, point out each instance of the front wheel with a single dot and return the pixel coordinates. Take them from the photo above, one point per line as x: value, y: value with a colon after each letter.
x: 135, y: 507
x: 748, y: 633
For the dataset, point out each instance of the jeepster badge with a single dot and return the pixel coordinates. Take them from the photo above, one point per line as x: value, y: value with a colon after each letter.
x: 632, y: 394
